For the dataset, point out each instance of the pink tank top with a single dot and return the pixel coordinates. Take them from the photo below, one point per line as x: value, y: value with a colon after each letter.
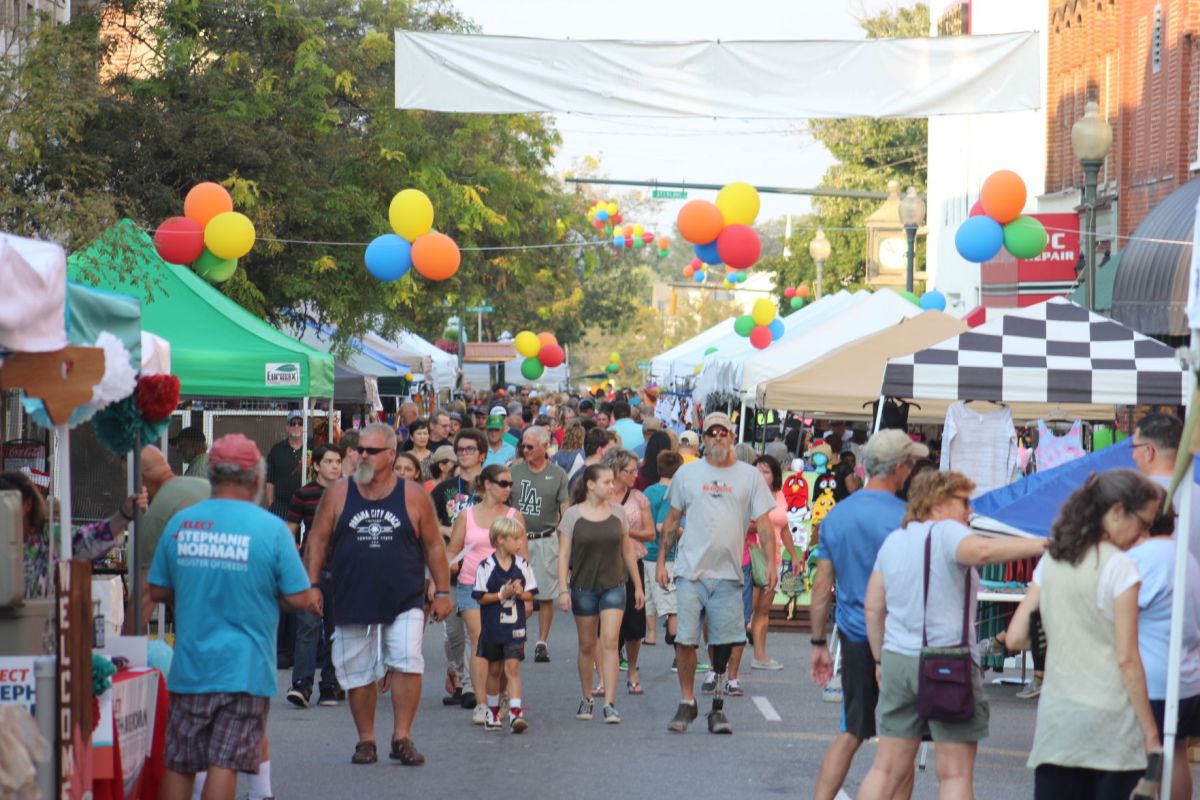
x: 478, y: 545
x: 1053, y: 451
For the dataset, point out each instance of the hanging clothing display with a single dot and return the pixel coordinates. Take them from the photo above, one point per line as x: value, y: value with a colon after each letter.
x: 981, y: 445
x: 1053, y: 451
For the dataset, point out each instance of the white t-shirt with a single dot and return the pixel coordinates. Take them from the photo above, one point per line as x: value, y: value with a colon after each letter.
x: 1155, y: 560
x: 1118, y: 575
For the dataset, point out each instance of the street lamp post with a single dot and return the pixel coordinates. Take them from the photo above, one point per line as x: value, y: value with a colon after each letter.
x: 819, y: 248
x: 1091, y: 137
x: 912, y: 215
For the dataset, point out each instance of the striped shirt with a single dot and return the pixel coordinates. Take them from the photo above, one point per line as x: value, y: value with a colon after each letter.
x: 303, y: 507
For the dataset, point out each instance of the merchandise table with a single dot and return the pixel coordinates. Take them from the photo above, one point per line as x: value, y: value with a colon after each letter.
x: 130, y: 742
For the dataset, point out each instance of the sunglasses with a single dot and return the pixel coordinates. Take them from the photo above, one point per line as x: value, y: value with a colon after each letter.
x: 296, y: 424
x: 717, y: 433
x: 503, y: 484
x: 370, y: 451
x: 467, y: 450
x: 528, y: 446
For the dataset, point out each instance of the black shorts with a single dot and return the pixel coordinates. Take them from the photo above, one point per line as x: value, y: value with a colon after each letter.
x: 860, y: 692
x: 633, y: 623
x: 500, y: 652
x: 1052, y: 782
x: 1189, y: 716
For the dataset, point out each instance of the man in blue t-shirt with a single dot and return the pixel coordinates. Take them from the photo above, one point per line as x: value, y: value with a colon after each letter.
x: 849, y: 540
x: 224, y: 564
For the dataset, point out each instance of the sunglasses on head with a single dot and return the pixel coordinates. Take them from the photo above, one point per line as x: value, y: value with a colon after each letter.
x: 370, y: 451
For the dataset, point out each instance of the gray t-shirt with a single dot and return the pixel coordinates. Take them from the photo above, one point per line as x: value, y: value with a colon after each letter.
x: 901, y: 562
x: 174, y: 496
x: 720, y: 503
x: 539, y: 496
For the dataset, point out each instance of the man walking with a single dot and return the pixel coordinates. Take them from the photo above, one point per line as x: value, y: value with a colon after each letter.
x: 439, y: 430
x: 540, y: 493
x: 381, y: 536
x: 224, y: 563
x: 720, y: 496
x: 850, y: 538
x: 499, y: 451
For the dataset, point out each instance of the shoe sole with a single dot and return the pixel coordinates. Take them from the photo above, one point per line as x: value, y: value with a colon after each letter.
x: 612, y: 720
x: 542, y: 659
x: 327, y: 703
x: 298, y: 702
x: 708, y: 689
x: 519, y: 725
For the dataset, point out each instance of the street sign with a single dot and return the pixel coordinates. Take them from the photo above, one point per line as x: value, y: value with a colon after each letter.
x: 669, y: 194
x: 643, y: 365
x: 483, y: 309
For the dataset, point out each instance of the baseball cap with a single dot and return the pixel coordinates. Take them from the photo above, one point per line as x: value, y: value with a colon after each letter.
x: 294, y: 415
x: 236, y: 449
x: 498, y: 411
x: 495, y: 422
x: 719, y: 419
x: 893, y: 445
x: 192, y: 433
x: 457, y: 417
x: 443, y: 453
x: 690, y: 438
x: 586, y: 405
x: 652, y: 424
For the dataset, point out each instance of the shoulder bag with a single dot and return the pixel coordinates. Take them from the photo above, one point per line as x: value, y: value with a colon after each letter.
x: 945, y: 689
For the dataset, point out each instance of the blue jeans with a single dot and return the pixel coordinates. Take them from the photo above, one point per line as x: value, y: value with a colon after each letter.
x: 313, y: 636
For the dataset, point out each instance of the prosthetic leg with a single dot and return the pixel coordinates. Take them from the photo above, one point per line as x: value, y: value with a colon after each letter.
x: 717, y: 721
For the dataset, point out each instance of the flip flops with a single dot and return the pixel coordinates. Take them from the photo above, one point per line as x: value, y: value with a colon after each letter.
x: 634, y: 688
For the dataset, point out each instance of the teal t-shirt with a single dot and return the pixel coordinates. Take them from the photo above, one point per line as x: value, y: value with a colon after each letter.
x: 228, y: 562
x: 657, y: 495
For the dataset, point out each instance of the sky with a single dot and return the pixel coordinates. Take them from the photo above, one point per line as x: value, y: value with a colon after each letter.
x: 761, y: 152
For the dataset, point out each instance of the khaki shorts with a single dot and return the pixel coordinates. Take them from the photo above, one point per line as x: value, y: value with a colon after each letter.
x: 898, y: 706
x: 543, y: 557
x: 662, y: 600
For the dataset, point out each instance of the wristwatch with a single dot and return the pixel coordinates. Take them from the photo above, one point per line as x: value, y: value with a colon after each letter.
x: 817, y: 642
x: 315, y: 586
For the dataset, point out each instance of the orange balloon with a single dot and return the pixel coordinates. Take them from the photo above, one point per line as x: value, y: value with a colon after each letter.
x: 205, y: 200
x: 436, y: 256
x: 1003, y: 196
x: 700, y: 221
x: 802, y: 291
x: 547, y: 339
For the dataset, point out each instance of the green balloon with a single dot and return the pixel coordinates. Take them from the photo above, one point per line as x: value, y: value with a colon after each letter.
x: 532, y: 369
x: 797, y: 302
x: 912, y: 298
x: 743, y: 325
x: 214, y: 269
x: 638, y: 244
x: 1025, y: 237
x: 710, y: 351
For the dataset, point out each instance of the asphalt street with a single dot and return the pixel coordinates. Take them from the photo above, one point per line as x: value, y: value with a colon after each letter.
x: 560, y: 756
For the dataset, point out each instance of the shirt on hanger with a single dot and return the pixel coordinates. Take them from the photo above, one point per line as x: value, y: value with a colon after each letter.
x: 981, y: 445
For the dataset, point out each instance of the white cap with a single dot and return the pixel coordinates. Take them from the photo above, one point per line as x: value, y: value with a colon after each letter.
x: 501, y: 410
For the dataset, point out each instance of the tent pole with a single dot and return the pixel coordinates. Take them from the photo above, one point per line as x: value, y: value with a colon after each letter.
x: 304, y: 442
x: 741, y: 422
x: 133, y: 564
x: 879, y: 415
x: 62, y: 489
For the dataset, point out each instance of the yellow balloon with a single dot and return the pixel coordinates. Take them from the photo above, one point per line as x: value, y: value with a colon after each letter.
x: 408, y: 376
x: 411, y: 214
x: 764, y: 311
x: 229, y: 235
x: 527, y: 344
x: 611, y: 208
x: 614, y: 357
x: 638, y: 230
x: 739, y: 203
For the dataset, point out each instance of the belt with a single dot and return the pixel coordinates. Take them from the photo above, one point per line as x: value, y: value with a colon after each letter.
x: 535, y: 536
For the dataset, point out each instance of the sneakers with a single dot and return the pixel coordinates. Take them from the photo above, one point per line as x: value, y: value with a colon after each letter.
x: 770, y: 664
x: 586, y: 706
x: 517, y: 721
x: 710, y: 683
x: 684, y: 716
x: 480, y: 715
x: 541, y: 653
x: 611, y: 717
x: 327, y: 697
x: 718, y: 722
x: 623, y: 665
x: 1032, y: 690
x: 298, y: 696
x: 491, y: 719
x: 468, y: 701
x: 674, y: 666
x: 733, y: 688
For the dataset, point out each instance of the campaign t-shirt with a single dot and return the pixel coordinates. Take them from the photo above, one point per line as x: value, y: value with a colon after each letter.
x: 850, y: 537
x: 503, y: 622
x: 228, y: 562
x: 720, y: 503
x: 503, y: 456
x: 1155, y: 560
x: 539, y: 495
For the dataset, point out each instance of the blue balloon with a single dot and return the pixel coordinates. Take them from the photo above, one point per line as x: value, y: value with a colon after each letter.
x: 933, y: 300
x: 979, y: 239
x: 602, y: 215
x: 618, y: 241
x: 776, y: 328
x: 388, y: 257
x: 698, y: 276
x: 707, y: 252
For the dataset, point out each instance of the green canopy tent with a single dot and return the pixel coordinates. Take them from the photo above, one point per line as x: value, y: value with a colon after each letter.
x: 218, y: 348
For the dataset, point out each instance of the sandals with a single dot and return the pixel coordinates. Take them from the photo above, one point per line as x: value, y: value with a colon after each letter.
x: 634, y: 688
x: 364, y: 753
x: 404, y: 751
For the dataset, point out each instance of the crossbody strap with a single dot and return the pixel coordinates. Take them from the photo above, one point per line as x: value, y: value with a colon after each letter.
x: 925, y: 598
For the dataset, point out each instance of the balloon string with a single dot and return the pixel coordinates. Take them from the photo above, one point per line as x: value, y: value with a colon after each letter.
x: 463, y: 249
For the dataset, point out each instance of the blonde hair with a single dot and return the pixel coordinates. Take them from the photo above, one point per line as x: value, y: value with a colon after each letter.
x: 505, y: 528
x: 930, y: 488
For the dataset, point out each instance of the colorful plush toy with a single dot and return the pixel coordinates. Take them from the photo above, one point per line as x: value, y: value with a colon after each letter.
x: 795, y: 493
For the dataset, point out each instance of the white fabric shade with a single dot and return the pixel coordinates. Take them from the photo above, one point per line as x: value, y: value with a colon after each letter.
x: 438, y: 365
x: 682, y: 359
x: 156, y: 354
x: 33, y: 303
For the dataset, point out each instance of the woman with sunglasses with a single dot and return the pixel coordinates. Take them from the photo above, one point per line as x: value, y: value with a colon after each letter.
x: 1095, y: 724
x: 599, y: 553
x: 902, y: 618
x: 469, y: 537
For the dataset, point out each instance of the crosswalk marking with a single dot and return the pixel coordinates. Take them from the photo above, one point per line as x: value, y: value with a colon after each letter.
x: 766, y: 709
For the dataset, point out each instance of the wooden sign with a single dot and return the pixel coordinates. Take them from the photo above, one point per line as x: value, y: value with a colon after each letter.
x: 62, y: 379
x: 74, y: 625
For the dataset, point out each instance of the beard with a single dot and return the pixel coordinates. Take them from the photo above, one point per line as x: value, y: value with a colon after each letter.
x: 720, y: 451
x: 364, y: 474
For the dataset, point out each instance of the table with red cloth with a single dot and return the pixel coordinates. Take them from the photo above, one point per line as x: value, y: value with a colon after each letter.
x: 132, y: 767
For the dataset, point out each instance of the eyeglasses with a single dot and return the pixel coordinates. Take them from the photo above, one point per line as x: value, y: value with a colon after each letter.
x: 630, y: 471
x: 466, y: 451
x: 503, y: 484
x: 371, y: 451
x: 296, y: 423
x: 966, y: 500
x: 717, y: 433
x: 1145, y: 525
x: 528, y: 446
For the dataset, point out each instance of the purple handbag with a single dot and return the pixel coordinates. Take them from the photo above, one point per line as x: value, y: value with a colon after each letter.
x: 945, y: 689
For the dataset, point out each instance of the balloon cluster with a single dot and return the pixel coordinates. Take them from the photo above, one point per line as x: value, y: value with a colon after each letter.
x: 762, y: 325
x: 720, y: 232
x: 540, y: 350
x: 413, y: 244
x: 605, y: 216
x: 614, y: 363
x: 995, y: 221
x: 210, y: 235
x: 695, y: 271
x: 796, y: 297
x: 637, y: 237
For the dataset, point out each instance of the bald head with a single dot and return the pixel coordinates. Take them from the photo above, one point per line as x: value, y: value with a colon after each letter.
x: 155, y: 469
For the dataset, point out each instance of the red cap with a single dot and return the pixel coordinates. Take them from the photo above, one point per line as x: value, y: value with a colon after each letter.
x: 234, y: 448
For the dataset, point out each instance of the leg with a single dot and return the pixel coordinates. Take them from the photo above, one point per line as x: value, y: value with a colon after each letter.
x: 835, y: 765
x: 545, y: 618
x: 735, y: 663
x: 586, y: 628
x: 512, y: 672
x: 362, y: 708
x: 610, y: 631
x: 221, y: 784
x: 406, y: 695
x: 633, y: 648
x: 454, y: 645
x: 893, y: 764
x: 759, y: 621
x: 308, y: 638
x: 685, y: 661
x: 478, y: 666
x: 494, y: 668
x: 955, y: 768
x: 176, y: 786
x: 1181, y: 771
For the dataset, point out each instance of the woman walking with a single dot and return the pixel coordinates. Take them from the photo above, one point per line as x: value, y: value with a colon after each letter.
x: 624, y: 466
x: 1094, y: 722
x: 599, y: 553
x: 761, y: 599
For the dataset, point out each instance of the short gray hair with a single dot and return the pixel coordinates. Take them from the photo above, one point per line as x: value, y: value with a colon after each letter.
x: 389, y: 434
x: 618, y: 459
x: 515, y: 408
x: 537, y: 432
x: 229, y: 472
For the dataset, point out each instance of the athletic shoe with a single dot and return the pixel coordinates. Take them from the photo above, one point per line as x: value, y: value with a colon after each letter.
x: 468, y: 701
x: 491, y: 720
x: 299, y: 695
x: 517, y: 720
x: 541, y: 653
x: 1032, y: 690
x: 770, y: 664
x: 733, y: 688
x: 328, y: 697
x: 674, y: 665
x: 623, y: 665
x: 586, y: 706
x: 684, y: 716
x: 718, y: 722
x: 611, y: 717
x: 454, y: 699
x: 710, y: 683
x: 480, y: 715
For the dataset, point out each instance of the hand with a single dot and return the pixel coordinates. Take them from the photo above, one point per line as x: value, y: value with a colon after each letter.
x: 441, y: 609
x: 662, y: 576
x: 1153, y: 743
x: 314, y: 602
x: 820, y: 665
x: 528, y: 608
x: 879, y: 675
x: 142, y: 499
x: 564, y: 601
x: 772, y: 582
x: 795, y: 566
x: 639, y: 598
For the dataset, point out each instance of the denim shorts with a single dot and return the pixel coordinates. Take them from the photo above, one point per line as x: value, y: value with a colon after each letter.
x: 721, y: 602
x: 589, y: 602
x: 463, y: 599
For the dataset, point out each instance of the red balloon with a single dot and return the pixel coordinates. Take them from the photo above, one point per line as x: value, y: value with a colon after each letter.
x: 551, y: 355
x: 739, y: 246
x: 760, y: 337
x: 617, y: 219
x: 696, y: 264
x: 647, y: 237
x: 629, y: 242
x: 179, y: 240
x: 977, y: 210
x: 789, y: 293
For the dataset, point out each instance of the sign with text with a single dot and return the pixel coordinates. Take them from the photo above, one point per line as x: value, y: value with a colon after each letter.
x: 17, y: 684
x: 669, y: 194
x: 1009, y: 282
x: 283, y: 374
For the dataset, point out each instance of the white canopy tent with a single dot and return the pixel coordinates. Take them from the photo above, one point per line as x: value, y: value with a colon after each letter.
x: 439, y: 366
x: 682, y: 359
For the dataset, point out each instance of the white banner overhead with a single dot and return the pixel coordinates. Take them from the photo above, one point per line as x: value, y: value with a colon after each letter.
x: 735, y: 80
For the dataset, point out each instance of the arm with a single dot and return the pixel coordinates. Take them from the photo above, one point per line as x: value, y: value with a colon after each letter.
x: 975, y: 551
x: 458, y: 537
x: 767, y: 540
x: 666, y: 543
x: 644, y: 534
x: 876, y: 613
x: 631, y: 566
x: 435, y: 548
x: 821, y: 662
x: 564, y: 562
x: 160, y: 594
x: 324, y: 521
x: 296, y: 602
x: 1125, y: 618
x: 268, y: 494
x: 294, y: 527
x: 1018, y: 636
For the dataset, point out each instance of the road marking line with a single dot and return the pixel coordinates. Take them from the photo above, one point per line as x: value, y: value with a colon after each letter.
x: 841, y: 795
x: 768, y: 711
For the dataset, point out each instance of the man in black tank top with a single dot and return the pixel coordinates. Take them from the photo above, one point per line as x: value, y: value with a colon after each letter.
x: 380, y: 533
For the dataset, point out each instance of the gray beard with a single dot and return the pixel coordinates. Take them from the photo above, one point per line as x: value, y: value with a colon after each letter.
x: 364, y: 474
x: 720, y: 452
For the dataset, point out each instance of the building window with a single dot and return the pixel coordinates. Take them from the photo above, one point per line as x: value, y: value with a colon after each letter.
x: 1156, y: 41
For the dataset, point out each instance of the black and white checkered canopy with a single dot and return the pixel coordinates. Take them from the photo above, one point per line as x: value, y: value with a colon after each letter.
x: 1055, y: 352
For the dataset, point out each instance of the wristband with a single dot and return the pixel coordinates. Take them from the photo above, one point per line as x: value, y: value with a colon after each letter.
x: 314, y: 586
x: 817, y: 642
x: 441, y: 594
x: 121, y: 511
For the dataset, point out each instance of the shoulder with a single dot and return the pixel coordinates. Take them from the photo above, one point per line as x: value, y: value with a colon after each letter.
x: 520, y: 470
x: 555, y: 470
